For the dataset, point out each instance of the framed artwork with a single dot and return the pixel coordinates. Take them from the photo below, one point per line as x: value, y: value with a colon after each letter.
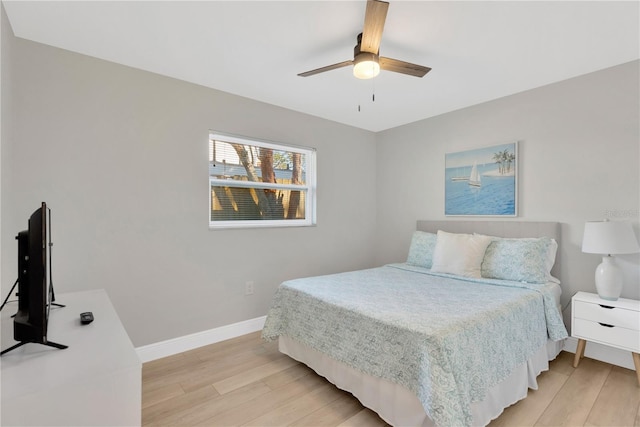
x: 482, y: 182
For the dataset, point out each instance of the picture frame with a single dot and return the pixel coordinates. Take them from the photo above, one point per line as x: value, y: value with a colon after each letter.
x: 482, y: 181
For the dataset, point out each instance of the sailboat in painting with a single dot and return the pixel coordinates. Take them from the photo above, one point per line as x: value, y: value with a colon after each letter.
x: 474, y: 178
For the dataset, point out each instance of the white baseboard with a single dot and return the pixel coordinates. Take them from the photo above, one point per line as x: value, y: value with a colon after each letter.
x: 603, y: 353
x: 173, y: 346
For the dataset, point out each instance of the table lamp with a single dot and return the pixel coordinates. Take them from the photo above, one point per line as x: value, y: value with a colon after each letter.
x: 609, y: 238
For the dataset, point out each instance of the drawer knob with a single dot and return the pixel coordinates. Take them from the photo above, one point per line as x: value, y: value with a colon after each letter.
x: 605, y: 306
x: 605, y: 325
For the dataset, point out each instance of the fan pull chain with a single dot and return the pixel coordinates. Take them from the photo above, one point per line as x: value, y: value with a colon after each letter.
x: 373, y: 99
x: 373, y: 90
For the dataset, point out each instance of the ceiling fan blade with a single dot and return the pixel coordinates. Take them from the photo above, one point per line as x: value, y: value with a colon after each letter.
x: 327, y: 68
x: 375, y: 15
x: 397, y: 66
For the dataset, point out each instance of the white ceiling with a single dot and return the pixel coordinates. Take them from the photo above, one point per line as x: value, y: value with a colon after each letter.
x: 478, y: 50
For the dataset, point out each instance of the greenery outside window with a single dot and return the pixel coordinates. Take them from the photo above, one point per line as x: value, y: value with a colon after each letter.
x: 255, y: 183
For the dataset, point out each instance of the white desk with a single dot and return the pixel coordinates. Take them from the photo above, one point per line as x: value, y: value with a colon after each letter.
x: 96, y: 381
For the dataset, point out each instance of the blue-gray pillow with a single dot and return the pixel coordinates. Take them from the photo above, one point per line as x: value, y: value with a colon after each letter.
x: 421, y: 249
x: 522, y: 260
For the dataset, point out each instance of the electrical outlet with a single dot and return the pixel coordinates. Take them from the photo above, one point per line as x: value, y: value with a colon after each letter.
x: 248, y: 288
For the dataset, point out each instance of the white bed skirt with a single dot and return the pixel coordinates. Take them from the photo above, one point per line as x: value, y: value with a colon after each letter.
x: 399, y: 407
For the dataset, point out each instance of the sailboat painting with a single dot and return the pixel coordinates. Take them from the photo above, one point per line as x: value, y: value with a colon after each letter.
x: 482, y: 181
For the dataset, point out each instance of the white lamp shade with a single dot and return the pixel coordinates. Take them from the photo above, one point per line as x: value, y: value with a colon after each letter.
x: 609, y: 237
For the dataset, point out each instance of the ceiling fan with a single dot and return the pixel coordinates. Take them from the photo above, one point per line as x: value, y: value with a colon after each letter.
x: 367, y: 62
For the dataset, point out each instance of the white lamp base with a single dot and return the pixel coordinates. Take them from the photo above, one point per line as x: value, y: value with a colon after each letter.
x: 608, y: 279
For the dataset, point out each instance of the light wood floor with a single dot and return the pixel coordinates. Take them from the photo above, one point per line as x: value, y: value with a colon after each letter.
x: 245, y: 381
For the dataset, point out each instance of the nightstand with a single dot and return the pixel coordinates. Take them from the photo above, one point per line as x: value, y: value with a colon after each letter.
x: 612, y: 323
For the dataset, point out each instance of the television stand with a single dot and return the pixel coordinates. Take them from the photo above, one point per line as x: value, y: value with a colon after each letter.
x: 96, y: 382
x: 48, y: 343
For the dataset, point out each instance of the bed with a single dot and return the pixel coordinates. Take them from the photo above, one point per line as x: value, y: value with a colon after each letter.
x: 452, y: 336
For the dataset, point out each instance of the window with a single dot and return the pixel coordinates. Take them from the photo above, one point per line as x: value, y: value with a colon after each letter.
x: 260, y: 184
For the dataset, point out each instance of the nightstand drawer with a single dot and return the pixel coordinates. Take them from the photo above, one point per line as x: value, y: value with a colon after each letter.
x: 612, y: 316
x: 616, y: 336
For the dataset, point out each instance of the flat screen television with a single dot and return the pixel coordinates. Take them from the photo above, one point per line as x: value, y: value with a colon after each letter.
x: 35, y: 290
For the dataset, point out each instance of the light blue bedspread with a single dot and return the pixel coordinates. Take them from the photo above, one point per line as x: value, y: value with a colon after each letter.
x: 446, y: 339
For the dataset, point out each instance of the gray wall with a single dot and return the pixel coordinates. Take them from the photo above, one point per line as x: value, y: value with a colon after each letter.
x: 5, y: 79
x: 579, y: 160
x: 121, y: 157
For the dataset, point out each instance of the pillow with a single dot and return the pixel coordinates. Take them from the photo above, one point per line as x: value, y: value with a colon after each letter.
x: 552, y: 250
x: 459, y: 254
x: 421, y: 249
x: 524, y: 260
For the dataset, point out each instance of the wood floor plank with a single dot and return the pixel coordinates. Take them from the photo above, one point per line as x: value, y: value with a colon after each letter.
x: 572, y: 404
x: 334, y: 413
x: 527, y: 411
x: 166, y: 365
x: 160, y: 375
x: 618, y: 401
x: 174, y: 405
x: 297, y: 408
x: 160, y: 394
x: 563, y: 363
x: 364, y: 418
x: 287, y: 376
x: 254, y: 374
x: 202, y: 413
x: 254, y: 408
x: 223, y: 369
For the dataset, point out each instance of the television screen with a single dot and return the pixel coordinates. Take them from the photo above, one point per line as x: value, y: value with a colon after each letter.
x: 35, y: 290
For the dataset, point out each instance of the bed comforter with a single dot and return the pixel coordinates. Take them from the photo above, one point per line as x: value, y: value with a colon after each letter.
x: 446, y: 339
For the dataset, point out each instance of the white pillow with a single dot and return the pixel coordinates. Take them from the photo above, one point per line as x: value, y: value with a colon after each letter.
x: 551, y: 260
x: 459, y: 254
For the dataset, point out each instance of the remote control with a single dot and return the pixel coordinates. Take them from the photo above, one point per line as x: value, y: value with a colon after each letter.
x: 86, y: 317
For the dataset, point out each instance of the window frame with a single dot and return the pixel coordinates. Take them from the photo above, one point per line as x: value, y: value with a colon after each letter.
x: 309, y: 187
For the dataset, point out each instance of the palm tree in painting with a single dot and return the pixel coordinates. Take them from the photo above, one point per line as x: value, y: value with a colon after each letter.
x: 504, y: 159
x: 497, y: 157
x: 510, y: 159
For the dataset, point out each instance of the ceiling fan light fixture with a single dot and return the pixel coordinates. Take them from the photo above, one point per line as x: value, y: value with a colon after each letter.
x: 366, y: 62
x: 366, y: 66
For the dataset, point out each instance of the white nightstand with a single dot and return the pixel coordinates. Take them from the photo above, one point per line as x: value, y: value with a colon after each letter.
x: 612, y: 323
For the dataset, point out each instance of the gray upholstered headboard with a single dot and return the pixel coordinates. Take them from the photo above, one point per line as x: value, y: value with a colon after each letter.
x: 501, y: 229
